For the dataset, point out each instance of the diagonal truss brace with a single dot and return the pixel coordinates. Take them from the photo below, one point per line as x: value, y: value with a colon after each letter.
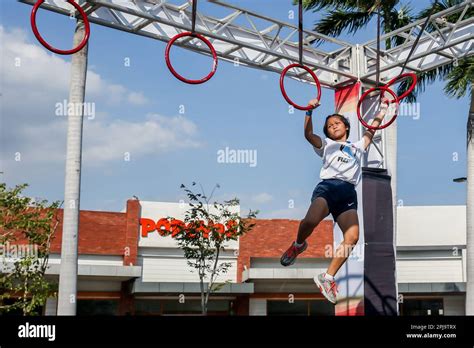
x: 444, y: 42
x: 271, y: 48
x: 250, y: 39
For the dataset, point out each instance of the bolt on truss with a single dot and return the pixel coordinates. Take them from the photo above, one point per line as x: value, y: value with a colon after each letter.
x: 275, y: 45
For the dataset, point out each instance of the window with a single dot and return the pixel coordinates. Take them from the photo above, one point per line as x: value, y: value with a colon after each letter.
x: 174, y: 307
x: 433, y: 306
x: 97, y: 307
x: 188, y: 307
x: 300, y: 307
x: 147, y: 307
x: 321, y: 308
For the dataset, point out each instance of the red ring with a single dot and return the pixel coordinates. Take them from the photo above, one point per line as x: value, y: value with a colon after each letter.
x: 382, y: 88
x: 175, y: 73
x: 48, y: 46
x: 412, y: 87
x: 282, y: 85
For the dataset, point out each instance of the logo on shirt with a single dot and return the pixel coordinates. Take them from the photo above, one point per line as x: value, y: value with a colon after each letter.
x: 347, y: 150
x: 343, y: 159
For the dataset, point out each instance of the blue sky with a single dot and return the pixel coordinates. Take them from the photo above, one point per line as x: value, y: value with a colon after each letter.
x: 238, y: 108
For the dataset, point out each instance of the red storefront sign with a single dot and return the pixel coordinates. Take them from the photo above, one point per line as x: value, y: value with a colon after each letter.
x: 171, y: 227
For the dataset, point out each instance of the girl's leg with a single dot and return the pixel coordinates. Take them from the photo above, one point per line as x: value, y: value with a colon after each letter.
x: 317, y: 211
x: 349, y: 224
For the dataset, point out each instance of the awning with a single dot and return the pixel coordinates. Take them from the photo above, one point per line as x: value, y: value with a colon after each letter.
x: 431, y: 287
x: 181, y: 287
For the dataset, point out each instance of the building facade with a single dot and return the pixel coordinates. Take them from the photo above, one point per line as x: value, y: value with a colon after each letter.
x: 127, y: 267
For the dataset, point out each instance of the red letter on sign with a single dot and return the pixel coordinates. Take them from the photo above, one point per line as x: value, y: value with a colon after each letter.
x: 148, y: 226
x: 163, y: 223
x: 176, y: 227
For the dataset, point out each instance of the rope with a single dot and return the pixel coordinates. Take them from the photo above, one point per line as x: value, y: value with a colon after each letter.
x: 425, y: 24
x: 378, y: 49
x: 193, y: 25
x: 300, y: 30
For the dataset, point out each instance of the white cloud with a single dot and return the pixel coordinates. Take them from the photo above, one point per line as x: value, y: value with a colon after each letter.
x: 32, y: 74
x: 34, y: 81
x: 294, y: 193
x: 137, y: 98
x: 248, y: 201
x: 262, y: 198
x: 109, y: 142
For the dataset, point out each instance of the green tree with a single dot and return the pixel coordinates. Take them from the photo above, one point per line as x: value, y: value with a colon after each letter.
x: 353, y: 15
x: 204, y: 234
x: 26, y: 229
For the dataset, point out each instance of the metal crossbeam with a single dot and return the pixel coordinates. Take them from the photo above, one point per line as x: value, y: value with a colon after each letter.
x: 444, y: 43
x: 272, y: 49
x: 276, y: 45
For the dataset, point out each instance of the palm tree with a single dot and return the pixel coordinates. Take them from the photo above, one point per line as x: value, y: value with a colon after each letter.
x: 352, y: 15
x: 461, y: 82
x: 470, y: 207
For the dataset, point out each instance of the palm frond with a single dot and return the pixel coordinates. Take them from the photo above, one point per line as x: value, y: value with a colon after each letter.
x: 438, y: 6
x: 395, y: 19
x: 460, y: 78
x: 388, y: 5
x: 424, y: 79
x: 338, y: 21
x: 318, y: 5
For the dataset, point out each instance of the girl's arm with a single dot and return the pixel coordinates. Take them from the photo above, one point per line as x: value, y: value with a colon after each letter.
x: 312, y: 138
x: 369, y: 133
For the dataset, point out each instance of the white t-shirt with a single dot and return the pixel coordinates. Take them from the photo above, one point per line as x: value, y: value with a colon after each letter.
x: 341, y: 160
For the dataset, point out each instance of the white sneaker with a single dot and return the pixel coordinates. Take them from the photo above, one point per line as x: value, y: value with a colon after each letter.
x: 328, y: 288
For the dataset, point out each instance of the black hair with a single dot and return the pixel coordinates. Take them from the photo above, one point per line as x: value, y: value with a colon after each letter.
x: 343, y: 119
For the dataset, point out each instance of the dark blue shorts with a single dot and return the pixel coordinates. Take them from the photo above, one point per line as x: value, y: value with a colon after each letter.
x: 339, y: 194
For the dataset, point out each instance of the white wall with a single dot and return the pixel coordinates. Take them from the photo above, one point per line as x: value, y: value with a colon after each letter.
x: 105, y: 260
x: 163, y: 269
x: 162, y: 259
x: 431, y: 225
x: 429, y: 271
